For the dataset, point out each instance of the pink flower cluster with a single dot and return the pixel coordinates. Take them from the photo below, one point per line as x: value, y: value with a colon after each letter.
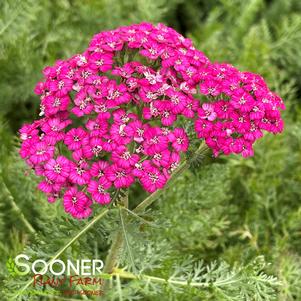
x: 110, y: 114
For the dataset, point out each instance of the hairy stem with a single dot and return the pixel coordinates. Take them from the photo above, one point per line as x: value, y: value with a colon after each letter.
x: 112, y: 256
x: 127, y: 275
x: 19, y: 212
x: 236, y: 279
x: 116, y: 247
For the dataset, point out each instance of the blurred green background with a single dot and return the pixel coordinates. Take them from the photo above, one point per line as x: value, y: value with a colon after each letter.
x: 235, y: 209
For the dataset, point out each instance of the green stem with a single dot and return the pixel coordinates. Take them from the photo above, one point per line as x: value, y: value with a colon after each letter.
x: 154, y: 196
x: 127, y: 275
x: 113, y: 253
x: 144, y: 221
x: 71, y: 241
x: 119, y: 288
x: 121, y: 273
x: 18, y: 210
x: 116, y: 247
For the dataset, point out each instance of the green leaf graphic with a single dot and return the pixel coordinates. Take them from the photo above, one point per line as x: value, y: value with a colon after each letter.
x: 11, y: 267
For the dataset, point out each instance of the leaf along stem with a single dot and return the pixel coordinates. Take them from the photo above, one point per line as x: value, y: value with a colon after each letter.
x: 122, y: 217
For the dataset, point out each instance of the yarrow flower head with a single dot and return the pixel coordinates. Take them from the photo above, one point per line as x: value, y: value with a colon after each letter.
x: 109, y: 116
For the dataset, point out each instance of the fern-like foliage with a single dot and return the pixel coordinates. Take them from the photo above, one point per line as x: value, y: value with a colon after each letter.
x: 219, y: 215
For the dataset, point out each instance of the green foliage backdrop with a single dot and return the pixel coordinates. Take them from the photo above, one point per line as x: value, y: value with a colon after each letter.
x: 227, y: 225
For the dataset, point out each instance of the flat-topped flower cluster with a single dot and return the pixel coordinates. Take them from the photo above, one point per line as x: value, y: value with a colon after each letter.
x: 110, y: 114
